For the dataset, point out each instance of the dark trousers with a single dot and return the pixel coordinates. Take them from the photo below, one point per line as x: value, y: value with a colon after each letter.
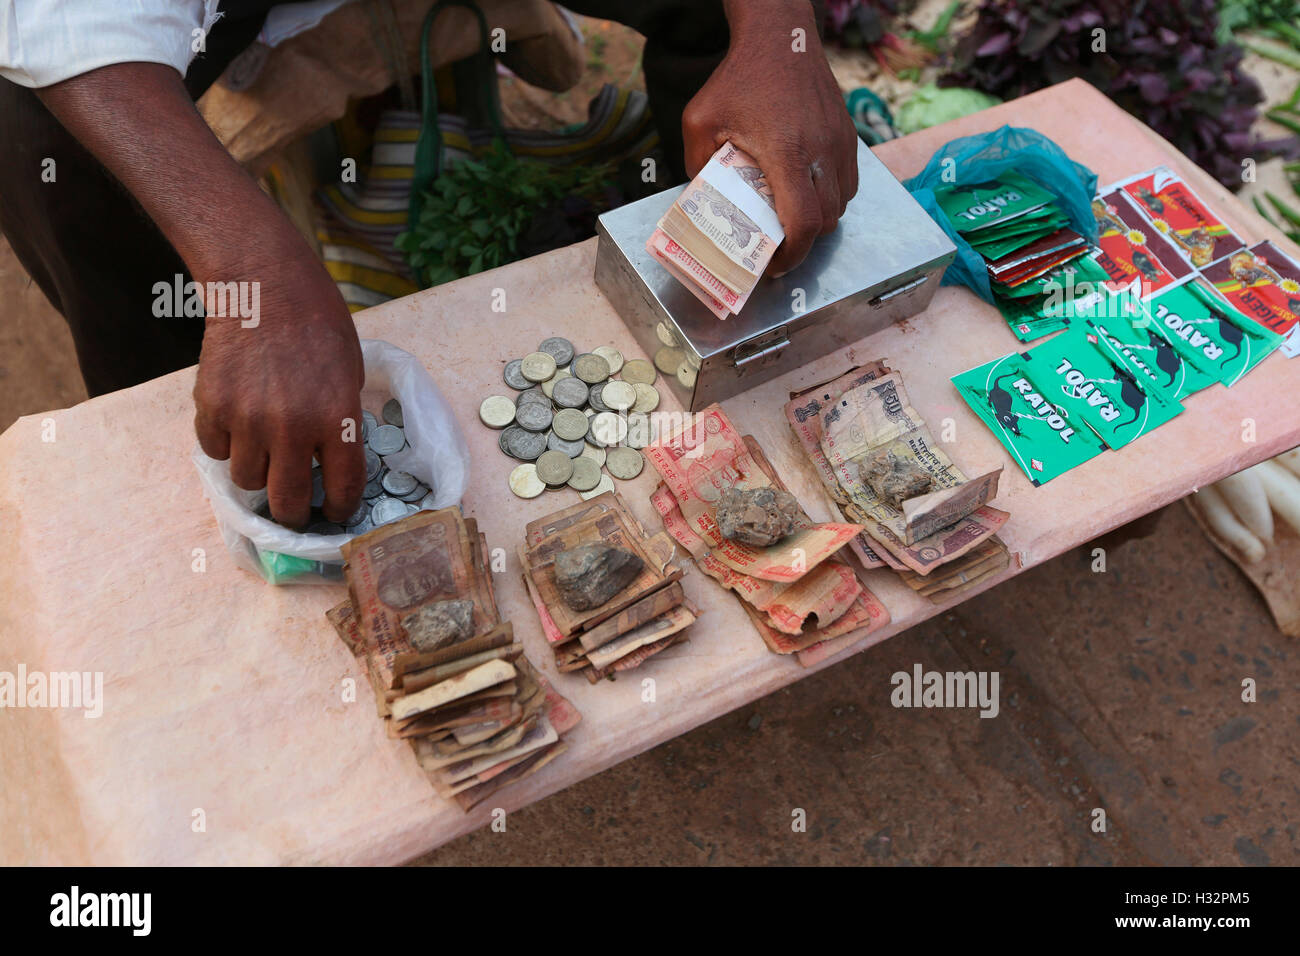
x: 96, y: 255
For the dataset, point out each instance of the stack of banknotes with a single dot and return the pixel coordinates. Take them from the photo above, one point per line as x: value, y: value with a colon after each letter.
x: 941, y: 540
x: 801, y: 593
x: 649, y: 615
x: 448, y: 676
x: 719, y: 235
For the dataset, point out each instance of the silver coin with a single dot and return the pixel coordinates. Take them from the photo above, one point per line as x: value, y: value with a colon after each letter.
x: 374, y: 488
x: 534, y: 416
x: 570, y: 392
x: 393, y: 413
x: 358, y: 516
x: 625, y: 463
x: 399, y: 483
x: 526, y: 445
x: 387, y: 440
x: 532, y: 394
x: 427, y: 503
x: 559, y: 349
x: 608, y: 429
x: 571, y: 448
x: 374, y: 465
x: 411, y: 508
x: 362, y: 526
x: 387, y: 510
x: 514, y: 376
x: 503, y: 439
x: 416, y: 493
x: 596, y: 398
x: 368, y: 424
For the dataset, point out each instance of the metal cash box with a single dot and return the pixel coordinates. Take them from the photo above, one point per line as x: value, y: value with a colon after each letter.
x: 880, y: 265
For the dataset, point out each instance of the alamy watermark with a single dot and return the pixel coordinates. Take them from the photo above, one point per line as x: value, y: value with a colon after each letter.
x: 178, y: 298
x: 76, y: 690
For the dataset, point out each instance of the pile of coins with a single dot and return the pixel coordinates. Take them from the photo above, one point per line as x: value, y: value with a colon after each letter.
x: 570, y: 418
x: 390, y: 494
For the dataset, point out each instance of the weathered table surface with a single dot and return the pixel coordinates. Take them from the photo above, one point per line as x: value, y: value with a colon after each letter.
x: 222, y: 694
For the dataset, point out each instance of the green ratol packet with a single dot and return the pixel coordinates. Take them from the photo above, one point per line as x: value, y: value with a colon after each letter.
x: 1123, y: 321
x: 1039, y: 437
x: 970, y: 208
x: 1097, y: 387
x: 1210, y: 333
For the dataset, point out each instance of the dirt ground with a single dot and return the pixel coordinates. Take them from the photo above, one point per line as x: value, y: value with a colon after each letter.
x: 1121, y: 692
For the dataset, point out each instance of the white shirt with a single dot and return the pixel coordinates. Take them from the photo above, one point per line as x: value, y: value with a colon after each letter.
x: 45, y: 41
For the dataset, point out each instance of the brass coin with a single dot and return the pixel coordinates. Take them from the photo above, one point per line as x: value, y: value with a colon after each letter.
x: 624, y: 463
x: 605, y: 484
x: 647, y: 398
x: 638, y: 370
x: 548, y: 386
x: 570, y: 424
x: 639, y: 431
x: 607, y: 429
x: 537, y: 366
x: 496, y: 411
x: 591, y: 368
x: 524, y: 481
x: 667, y: 360
x: 594, y: 454
x: 586, y: 475
x: 611, y: 355
x: 618, y: 396
x: 666, y: 335
x: 687, y: 375
x: 554, y: 467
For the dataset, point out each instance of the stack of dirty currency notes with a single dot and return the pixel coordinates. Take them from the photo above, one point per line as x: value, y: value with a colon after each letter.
x: 876, y: 458
x: 422, y: 621
x: 720, y: 233
x: 648, y: 615
x: 801, y: 596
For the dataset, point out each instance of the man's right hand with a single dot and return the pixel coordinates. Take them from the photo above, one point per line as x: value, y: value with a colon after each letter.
x: 269, y: 396
x: 272, y: 395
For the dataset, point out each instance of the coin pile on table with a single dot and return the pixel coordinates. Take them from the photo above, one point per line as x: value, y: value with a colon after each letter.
x: 390, y: 494
x: 570, y: 422
x: 449, y: 678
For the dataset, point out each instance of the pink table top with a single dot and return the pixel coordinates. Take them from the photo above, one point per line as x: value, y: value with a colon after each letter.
x: 224, y: 737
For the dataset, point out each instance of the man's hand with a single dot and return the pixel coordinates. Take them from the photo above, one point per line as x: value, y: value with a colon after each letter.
x: 271, y: 395
x: 785, y: 109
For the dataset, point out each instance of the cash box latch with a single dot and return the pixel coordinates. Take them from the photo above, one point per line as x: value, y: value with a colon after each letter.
x: 761, y: 350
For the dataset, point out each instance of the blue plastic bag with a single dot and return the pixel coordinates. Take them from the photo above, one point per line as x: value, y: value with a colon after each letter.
x: 985, y: 156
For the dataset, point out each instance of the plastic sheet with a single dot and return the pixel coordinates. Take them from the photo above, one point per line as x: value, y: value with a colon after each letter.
x: 437, y: 455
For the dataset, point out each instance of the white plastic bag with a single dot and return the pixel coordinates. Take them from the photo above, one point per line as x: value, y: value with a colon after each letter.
x: 437, y: 456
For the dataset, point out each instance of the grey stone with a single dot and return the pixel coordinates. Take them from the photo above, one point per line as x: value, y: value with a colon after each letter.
x: 590, y: 575
x: 895, y: 479
x: 756, y: 516
x: 439, y: 624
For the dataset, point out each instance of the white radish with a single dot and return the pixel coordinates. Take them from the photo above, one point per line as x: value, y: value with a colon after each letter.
x: 1222, y: 521
x: 1244, y: 494
x: 1283, y: 491
x: 1290, y: 460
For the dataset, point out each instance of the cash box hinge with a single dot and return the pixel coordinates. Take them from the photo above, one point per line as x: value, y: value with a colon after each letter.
x: 760, y: 348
